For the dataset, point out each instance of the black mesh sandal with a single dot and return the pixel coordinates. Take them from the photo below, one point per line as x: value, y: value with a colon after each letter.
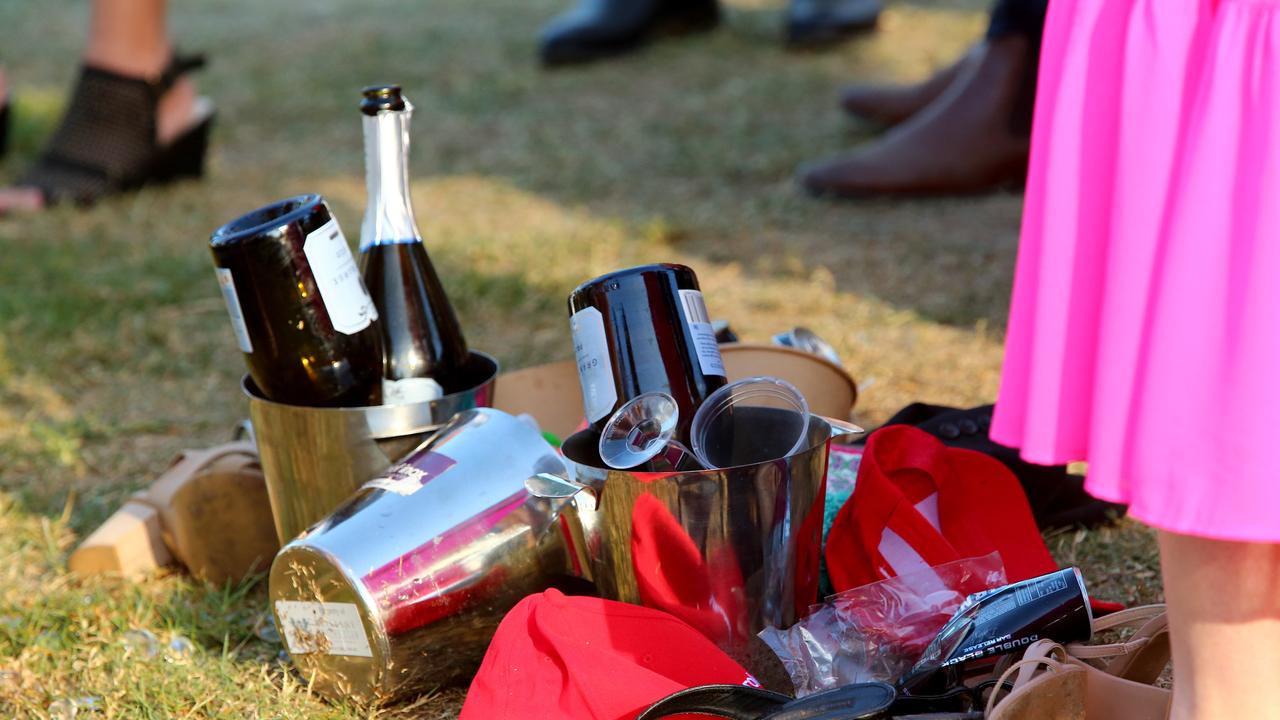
x: 107, y: 142
x: 5, y: 104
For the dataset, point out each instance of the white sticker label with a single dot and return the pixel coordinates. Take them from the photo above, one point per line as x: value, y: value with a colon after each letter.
x: 410, y: 390
x: 409, y: 476
x: 323, y: 628
x: 228, y: 286
x: 350, y: 307
x: 595, y: 371
x: 704, y: 335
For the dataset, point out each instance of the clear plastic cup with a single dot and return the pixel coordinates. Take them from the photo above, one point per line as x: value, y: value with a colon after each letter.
x: 754, y: 420
x: 643, y: 431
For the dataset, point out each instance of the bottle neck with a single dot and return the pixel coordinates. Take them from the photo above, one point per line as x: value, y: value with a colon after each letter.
x: 388, y: 217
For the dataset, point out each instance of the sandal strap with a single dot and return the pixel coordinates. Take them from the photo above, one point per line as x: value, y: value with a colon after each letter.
x: 1041, y: 655
x: 179, y: 65
x: 1128, y: 617
x: 1151, y: 621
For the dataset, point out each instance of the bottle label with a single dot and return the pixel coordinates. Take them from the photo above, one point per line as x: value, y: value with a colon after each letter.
x: 595, y: 371
x: 323, y: 628
x: 228, y: 285
x: 410, y: 390
x: 704, y: 335
x: 341, y: 288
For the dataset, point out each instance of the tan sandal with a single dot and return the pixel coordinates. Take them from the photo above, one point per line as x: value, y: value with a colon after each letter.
x: 209, y: 511
x: 1141, y: 658
x: 1052, y: 685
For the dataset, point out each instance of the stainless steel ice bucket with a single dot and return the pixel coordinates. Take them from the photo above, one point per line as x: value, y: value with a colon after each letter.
x: 402, y: 587
x: 314, y: 458
x: 730, y: 551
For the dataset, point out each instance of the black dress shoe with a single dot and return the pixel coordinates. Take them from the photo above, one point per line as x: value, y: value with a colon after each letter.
x: 821, y: 22
x: 596, y: 29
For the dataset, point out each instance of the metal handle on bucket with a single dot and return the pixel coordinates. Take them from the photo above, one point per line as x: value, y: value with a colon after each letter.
x: 552, y: 487
x: 843, y: 431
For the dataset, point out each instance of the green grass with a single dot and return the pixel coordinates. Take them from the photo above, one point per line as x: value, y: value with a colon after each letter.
x: 115, y: 351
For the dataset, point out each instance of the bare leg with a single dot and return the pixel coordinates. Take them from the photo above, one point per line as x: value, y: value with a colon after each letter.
x: 1224, y: 622
x: 4, y: 85
x: 128, y: 37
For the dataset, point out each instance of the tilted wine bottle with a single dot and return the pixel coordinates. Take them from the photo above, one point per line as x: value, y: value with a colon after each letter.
x: 644, y: 329
x: 424, y: 350
x: 301, y: 313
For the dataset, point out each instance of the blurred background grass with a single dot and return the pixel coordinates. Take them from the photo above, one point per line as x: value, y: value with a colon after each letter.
x: 115, y: 350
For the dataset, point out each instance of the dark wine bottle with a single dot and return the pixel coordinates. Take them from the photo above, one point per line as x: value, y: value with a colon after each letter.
x: 424, y: 350
x: 641, y: 330
x: 300, y: 311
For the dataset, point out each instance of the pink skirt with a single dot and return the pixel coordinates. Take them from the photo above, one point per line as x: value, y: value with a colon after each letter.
x: 1144, y: 335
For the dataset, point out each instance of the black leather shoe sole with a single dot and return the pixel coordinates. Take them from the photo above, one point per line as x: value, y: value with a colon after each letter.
x: 568, y: 51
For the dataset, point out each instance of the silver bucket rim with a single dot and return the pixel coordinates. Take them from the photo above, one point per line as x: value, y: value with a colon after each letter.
x: 389, y: 421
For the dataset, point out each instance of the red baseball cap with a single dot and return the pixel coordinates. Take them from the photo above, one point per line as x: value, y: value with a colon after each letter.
x: 582, y: 657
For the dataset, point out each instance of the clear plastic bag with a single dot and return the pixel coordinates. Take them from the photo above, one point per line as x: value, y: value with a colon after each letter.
x: 878, y: 631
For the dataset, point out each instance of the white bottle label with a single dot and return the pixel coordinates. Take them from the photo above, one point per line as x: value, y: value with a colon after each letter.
x: 410, y: 390
x: 350, y: 307
x: 704, y: 335
x: 228, y: 285
x: 595, y: 371
x: 324, y: 628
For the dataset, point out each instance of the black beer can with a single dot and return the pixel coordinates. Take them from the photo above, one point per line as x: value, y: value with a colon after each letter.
x: 1008, y: 619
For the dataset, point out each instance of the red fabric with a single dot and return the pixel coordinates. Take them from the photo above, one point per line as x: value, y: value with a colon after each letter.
x: 671, y: 575
x: 556, y: 657
x: 980, y: 504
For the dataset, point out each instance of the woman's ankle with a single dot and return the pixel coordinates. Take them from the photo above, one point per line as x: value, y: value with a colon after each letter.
x: 176, y: 111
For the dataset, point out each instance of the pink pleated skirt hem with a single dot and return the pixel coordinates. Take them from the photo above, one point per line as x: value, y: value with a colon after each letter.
x: 1144, y: 332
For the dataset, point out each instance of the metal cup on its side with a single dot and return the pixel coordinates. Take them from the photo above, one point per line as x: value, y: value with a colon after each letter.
x: 401, y: 588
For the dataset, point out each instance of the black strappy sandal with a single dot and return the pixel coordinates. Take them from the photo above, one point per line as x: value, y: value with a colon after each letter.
x: 107, y: 142
x: 4, y: 126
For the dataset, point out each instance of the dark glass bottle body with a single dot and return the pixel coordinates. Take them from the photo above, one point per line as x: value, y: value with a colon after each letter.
x: 301, y: 313
x: 424, y: 349
x: 644, y: 329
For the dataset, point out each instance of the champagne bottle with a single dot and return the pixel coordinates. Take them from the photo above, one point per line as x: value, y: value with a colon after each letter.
x: 644, y: 329
x: 424, y: 350
x: 301, y: 313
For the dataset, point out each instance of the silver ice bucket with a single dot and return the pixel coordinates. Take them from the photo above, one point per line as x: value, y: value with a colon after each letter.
x: 729, y: 551
x: 314, y: 458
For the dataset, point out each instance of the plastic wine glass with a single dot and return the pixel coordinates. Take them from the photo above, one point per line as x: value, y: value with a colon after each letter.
x: 754, y: 420
x: 643, y: 431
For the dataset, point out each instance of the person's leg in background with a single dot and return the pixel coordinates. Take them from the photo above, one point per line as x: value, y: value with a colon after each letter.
x: 967, y: 129
x: 1224, y: 626
x: 128, y: 39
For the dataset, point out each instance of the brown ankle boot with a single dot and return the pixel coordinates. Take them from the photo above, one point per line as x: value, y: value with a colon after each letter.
x: 889, y: 105
x: 974, y: 137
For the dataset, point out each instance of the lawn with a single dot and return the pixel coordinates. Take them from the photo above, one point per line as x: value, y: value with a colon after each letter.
x: 116, y: 352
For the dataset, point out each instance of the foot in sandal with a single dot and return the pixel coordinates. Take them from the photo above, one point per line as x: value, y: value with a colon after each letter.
x: 119, y: 133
